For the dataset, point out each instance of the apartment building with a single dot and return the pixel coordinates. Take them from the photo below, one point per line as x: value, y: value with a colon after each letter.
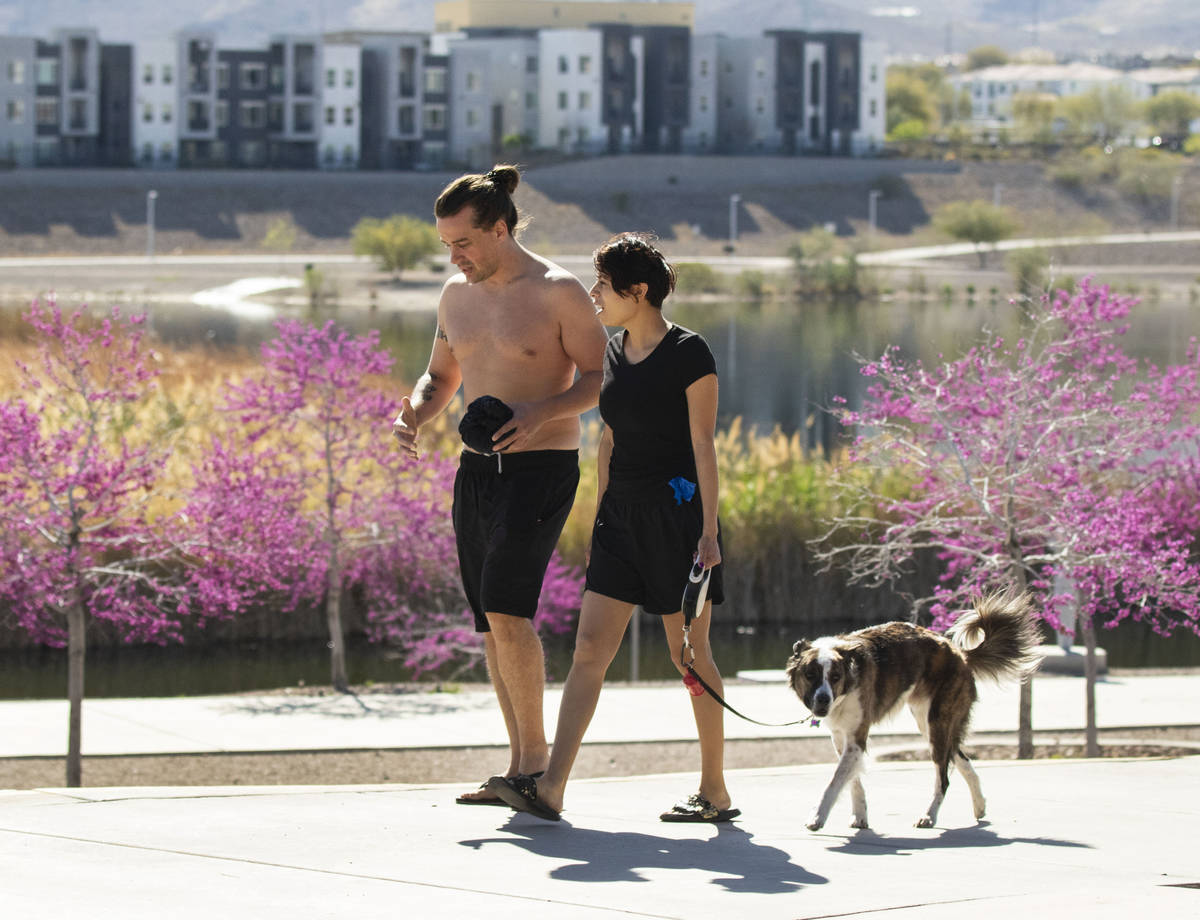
x: 993, y: 89
x: 584, y: 78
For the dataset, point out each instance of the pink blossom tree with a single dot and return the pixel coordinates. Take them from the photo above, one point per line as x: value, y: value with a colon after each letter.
x: 82, y: 533
x: 310, y: 492
x: 1053, y: 463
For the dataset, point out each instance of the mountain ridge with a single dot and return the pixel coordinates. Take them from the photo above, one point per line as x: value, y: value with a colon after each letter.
x: 934, y: 27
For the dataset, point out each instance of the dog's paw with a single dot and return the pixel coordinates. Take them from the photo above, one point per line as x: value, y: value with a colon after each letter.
x: 924, y: 821
x: 815, y: 823
x: 860, y: 824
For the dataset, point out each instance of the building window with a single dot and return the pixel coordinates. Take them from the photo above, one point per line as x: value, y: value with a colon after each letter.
x: 407, y: 119
x: 251, y: 153
x: 348, y: 77
x: 148, y: 73
x: 531, y: 101
x: 874, y: 73
x: 167, y: 151
x: 531, y: 64
x: 330, y: 115
x: 348, y: 154
x: 348, y: 115
x: 167, y: 113
x: 277, y: 76
x: 148, y: 112
x: 703, y: 103
x: 585, y: 63
x: 222, y: 114
x: 275, y: 115
x: 197, y: 116
x: 873, y: 108
x: 472, y: 81
x: 814, y: 83
x: 303, y: 117
x: 331, y: 82
x: 253, y: 115
x: 147, y: 153
x: 759, y: 105
x: 330, y: 153
x: 222, y: 76
x: 47, y: 111
x: 16, y: 111
x: 562, y: 101
x: 585, y: 101
x: 435, y: 118
x: 47, y: 71
x: 168, y: 74
x: 435, y: 80
x: 253, y: 76
x: 564, y: 66
x: 472, y: 118
x: 581, y: 136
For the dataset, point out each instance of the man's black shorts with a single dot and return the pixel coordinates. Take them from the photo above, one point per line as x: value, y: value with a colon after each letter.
x: 642, y: 551
x: 509, y: 511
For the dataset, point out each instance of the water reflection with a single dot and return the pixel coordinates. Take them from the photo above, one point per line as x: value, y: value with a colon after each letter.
x: 780, y: 362
x: 154, y: 671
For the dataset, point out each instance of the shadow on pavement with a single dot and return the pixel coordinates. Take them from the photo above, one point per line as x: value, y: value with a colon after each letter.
x: 617, y: 856
x: 869, y: 843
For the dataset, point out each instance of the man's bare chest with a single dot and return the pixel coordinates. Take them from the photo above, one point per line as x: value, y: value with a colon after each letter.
x: 491, y: 331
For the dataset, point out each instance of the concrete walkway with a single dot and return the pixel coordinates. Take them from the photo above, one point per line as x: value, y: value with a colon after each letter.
x: 337, y: 722
x: 1101, y: 838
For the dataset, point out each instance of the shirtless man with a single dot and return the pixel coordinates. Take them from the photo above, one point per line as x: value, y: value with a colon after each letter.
x: 517, y: 327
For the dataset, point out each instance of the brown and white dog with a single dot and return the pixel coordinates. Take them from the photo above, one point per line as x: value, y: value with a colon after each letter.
x: 857, y: 680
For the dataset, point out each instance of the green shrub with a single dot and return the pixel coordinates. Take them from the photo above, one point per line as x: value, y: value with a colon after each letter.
x: 696, y: 278
x: 396, y: 244
x: 1030, y: 270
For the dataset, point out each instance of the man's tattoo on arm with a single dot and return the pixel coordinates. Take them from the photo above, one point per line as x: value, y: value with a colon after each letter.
x: 430, y: 387
x: 441, y: 334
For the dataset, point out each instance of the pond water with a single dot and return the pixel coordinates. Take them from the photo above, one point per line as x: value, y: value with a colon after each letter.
x: 152, y: 671
x: 779, y: 364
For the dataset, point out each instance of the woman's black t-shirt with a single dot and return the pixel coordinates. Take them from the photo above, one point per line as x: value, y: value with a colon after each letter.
x: 645, y: 406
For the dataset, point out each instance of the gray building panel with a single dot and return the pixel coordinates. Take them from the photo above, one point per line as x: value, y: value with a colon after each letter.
x: 115, y: 141
x: 18, y: 97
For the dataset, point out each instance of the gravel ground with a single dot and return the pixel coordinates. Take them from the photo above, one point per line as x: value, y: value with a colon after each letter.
x: 469, y: 765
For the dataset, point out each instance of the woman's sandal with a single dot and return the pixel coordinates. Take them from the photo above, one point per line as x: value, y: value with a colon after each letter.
x: 696, y: 809
x: 474, y: 798
x: 520, y: 792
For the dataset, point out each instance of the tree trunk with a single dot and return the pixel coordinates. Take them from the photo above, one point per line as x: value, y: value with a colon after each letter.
x: 1025, y: 721
x: 76, y: 649
x: 337, y: 638
x: 1089, y: 672
x: 1025, y: 702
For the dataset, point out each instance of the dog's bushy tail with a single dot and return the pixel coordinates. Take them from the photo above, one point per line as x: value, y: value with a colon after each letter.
x: 999, y: 637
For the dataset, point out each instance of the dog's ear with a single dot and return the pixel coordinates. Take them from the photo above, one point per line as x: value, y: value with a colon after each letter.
x: 853, y: 659
x: 801, y: 646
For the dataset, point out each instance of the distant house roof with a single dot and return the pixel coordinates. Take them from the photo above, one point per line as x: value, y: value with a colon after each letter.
x: 1078, y: 71
x: 1167, y: 76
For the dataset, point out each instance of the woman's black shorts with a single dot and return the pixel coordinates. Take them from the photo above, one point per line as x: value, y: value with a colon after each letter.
x: 509, y: 511
x: 642, y: 551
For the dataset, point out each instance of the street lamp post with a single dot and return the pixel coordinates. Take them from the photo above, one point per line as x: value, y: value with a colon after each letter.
x: 872, y: 197
x: 151, y: 197
x: 733, y: 214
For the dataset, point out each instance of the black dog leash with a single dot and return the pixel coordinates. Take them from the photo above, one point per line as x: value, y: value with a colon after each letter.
x: 695, y: 592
